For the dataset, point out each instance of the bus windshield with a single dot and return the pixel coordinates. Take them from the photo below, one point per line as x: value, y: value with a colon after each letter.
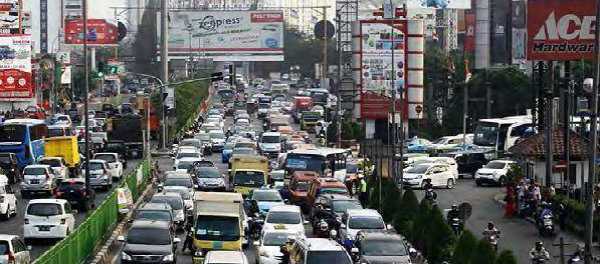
x: 12, y: 133
x: 305, y: 162
x: 217, y: 228
x: 486, y: 134
x: 249, y: 178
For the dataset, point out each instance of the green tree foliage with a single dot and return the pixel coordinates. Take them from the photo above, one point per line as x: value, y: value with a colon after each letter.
x: 405, y: 215
x: 484, y: 253
x: 304, y: 51
x: 439, y: 239
x: 391, y: 200
x: 464, y: 249
x: 188, y: 98
x: 421, y: 229
x: 506, y: 257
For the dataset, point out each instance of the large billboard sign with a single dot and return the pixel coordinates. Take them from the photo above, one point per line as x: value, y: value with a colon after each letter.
x: 439, y: 4
x: 560, y: 29
x: 227, y: 35
x: 15, y: 67
x: 100, y: 32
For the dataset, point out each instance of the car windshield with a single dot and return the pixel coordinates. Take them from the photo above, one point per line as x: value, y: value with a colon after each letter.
x: 340, y: 206
x: 302, y: 186
x: 495, y: 165
x: 159, y: 215
x: 266, y: 196
x: 243, y: 151
x: 12, y: 133
x: 51, y: 162
x: 290, y: 218
x: 149, y: 236
x: 175, y: 202
x: 34, y: 171
x: 319, y: 257
x: 274, y: 239
x: 383, y: 248
x: 68, y: 186
x: 106, y: 157
x: 366, y: 222
x: 187, y: 155
x: 185, y: 165
x: 208, y: 172
x: 264, y: 105
x: 190, y: 142
x: 220, y: 228
x: 249, y: 178
x: 96, y: 166
x: 44, y: 209
x: 270, y: 139
x: 185, y: 182
x: 183, y: 192
x: 217, y: 135
x: 419, y: 169
x: 333, y: 190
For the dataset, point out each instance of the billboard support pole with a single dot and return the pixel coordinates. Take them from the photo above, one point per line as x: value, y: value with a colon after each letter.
x: 324, y: 69
x: 339, y: 82
x: 164, y: 61
x: 86, y: 77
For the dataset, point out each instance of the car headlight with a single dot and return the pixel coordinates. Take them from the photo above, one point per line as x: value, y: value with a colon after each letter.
x: 419, y: 177
x: 168, y: 257
x: 198, y: 253
x: 125, y: 256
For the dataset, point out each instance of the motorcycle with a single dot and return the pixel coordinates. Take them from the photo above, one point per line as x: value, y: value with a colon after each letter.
x: 493, y: 240
x: 324, y: 222
x: 255, y: 226
x: 546, y: 224
x: 456, y: 225
x: 538, y: 260
x: 431, y: 196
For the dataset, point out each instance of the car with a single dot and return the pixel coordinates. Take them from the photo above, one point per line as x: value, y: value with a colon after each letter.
x: 210, y: 179
x: 193, y: 142
x: 185, y: 194
x: 469, y: 162
x: 176, y: 203
x: 37, y: 179
x: 355, y: 220
x: 117, y: 146
x: 225, y: 257
x: 268, y: 248
x: 13, y: 250
x: 321, y: 186
x: 299, y: 184
x: 73, y: 190
x: 417, y: 145
x: 439, y: 174
x: 494, y: 172
x: 115, y: 163
x: 276, y: 175
x: 270, y: 143
x: 185, y: 152
x: 317, y: 251
x: 155, y: 212
x: 216, y: 120
x: 336, y: 203
x: 100, y: 176
x: 185, y: 164
x: 48, y: 218
x: 452, y: 166
x: 10, y: 166
x: 285, y: 217
x: 374, y: 246
x: 58, y: 165
x: 149, y: 242
x: 8, y: 200
x: 265, y: 199
x: 217, y: 139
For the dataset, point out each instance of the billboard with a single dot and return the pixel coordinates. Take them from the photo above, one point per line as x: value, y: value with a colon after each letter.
x: 10, y: 14
x: 439, y: 4
x: 15, y: 67
x: 560, y: 29
x: 227, y: 35
x: 99, y: 32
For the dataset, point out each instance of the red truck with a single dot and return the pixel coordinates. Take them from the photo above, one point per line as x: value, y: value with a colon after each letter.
x: 301, y: 104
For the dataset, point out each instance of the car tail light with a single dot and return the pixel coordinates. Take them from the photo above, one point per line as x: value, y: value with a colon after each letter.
x: 63, y: 221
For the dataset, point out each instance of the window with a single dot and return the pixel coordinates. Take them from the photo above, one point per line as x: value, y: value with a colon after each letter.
x: 4, y: 247
x: 44, y: 209
x: 38, y: 132
x: 149, y: 236
x: 366, y: 222
x: 338, y: 257
x: 219, y: 228
x: 284, y: 218
x: 383, y: 248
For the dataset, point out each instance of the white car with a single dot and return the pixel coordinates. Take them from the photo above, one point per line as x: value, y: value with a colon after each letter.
x: 217, y: 121
x: 48, y: 218
x: 60, y: 119
x: 8, y: 200
x: 355, y: 220
x: 186, y: 152
x: 228, y: 257
x: 184, y: 164
x: 184, y: 192
x: 269, y: 245
x: 37, y: 179
x: 452, y: 166
x: 439, y: 174
x: 270, y: 143
x: 287, y: 217
x: 15, y: 250
x: 494, y: 172
x: 58, y: 165
x: 115, y: 166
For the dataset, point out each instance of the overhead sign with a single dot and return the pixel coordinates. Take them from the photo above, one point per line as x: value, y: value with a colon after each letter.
x: 15, y: 67
x: 227, y: 35
x: 99, y: 32
x: 439, y: 4
x: 10, y: 16
x: 560, y: 29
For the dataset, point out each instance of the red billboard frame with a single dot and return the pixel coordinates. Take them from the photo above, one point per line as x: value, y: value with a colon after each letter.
x: 107, y: 34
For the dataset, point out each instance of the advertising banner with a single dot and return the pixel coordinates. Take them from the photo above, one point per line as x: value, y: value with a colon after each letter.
x: 100, y: 32
x: 560, y: 29
x: 469, y: 44
x: 439, y: 4
x: 10, y: 17
x: 227, y: 35
x: 15, y: 67
x: 377, y: 65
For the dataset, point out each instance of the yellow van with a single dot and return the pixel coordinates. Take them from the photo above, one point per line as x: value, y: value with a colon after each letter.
x: 248, y: 172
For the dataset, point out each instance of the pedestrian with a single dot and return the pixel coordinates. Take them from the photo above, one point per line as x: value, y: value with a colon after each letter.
x: 509, y: 207
x: 363, y: 196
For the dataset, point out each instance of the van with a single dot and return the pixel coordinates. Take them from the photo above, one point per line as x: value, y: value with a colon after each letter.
x: 37, y: 179
x: 48, y: 218
x: 8, y: 200
x: 248, y: 172
x: 323, y: 186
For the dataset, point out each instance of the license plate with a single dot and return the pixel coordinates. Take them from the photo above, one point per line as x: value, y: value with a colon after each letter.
x: 44, y: 228
x: 34, y: 181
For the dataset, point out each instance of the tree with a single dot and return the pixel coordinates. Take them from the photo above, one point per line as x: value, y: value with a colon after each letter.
x: 439, y: 238
x: 421, y: 225
x: 391, y: 200
x: 465, y: 247
x: 506, y: 257
x: 406, y: 214
x: 484, y: 253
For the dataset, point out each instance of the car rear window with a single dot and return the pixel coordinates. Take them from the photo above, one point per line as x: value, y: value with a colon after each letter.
x: 44, y: 209
x: 66, y: 186
x: 106, y: 157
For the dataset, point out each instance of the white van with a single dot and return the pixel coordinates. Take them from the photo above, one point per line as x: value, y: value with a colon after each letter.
x: 48, y: 218
x: 8, y: 200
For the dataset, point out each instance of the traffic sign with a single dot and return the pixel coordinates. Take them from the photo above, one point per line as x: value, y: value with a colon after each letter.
x: 319, y: 30
x: 419, y: 109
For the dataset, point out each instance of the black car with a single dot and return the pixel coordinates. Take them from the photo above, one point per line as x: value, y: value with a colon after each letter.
x: 73, y: 190
x: 468, y: 162
x: 10, y: 167
x: 381, y: 247
x: 155, y: 212
x: 335, y: 203
x: 149, y: 242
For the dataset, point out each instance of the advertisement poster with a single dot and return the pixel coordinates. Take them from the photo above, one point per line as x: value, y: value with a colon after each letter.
x: 99, y: 32
x: 377, y: 65
x: 227, y: 35
x: 10, y: 16
x: 560, y: 30
x: 15, y: 67
x: 439, y: 4
x: 469, y: 44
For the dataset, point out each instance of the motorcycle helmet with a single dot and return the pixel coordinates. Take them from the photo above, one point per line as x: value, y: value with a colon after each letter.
x: 454, y: 207
x: 539, y: 245
x: 490, y: 225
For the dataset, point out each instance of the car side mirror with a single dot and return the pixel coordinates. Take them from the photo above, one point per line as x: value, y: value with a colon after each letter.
x: 121, y: 238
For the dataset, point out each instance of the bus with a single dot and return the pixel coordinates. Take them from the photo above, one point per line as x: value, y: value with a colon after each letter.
x: 499, y: 134
x: 25, y: 138
x: 323, y: 161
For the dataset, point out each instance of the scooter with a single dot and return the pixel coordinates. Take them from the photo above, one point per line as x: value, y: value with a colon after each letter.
x: 538, y: 260
x: 546, y: 225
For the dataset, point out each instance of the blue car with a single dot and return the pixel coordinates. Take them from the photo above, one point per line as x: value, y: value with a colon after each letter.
x: 418, y: 145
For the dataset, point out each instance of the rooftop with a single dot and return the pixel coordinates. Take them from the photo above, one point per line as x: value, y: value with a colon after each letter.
x: 534, y: 146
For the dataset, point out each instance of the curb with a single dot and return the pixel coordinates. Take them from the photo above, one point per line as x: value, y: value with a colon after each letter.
x: 106, y: 252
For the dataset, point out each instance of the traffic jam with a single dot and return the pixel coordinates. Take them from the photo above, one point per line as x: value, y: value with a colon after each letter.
x: 252, y: 181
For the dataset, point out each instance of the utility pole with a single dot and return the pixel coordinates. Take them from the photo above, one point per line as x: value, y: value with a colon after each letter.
x: 324, y: 69
x: 567, y: 118
x: 589, y: 204
x: 548, y: 139
x: 339, y: 81
x: 86, y: 70
x: 164, y: 61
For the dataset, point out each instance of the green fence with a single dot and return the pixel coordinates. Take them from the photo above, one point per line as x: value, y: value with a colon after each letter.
x: 79, y: 245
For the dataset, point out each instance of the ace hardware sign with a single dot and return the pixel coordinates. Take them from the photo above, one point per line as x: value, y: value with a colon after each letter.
x: 560, y: 29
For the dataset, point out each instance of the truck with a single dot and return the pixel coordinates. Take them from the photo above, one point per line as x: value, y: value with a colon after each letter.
x: 65, y: 147
x: 309, y: 120
x: 248, y: 172
x: 142, y: 106
x: 301, y: 104
x: 219, y: 223
x: 127, y: 128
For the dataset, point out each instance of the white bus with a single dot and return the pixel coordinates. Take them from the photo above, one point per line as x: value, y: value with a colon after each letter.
x: 320, y: 160
x: 499, y: 134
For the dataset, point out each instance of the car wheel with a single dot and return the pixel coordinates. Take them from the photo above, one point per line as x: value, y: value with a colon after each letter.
x: 502, y: 180
x: 450, y: 184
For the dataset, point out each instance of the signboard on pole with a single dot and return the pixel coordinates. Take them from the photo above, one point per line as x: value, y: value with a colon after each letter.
x: 560, y: 30
x: 227, y: 35
x: 15, y: 67
x: 100, y: 32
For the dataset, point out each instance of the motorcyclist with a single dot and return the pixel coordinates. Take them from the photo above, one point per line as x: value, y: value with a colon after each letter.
x: 228, y: 133
x: 546, y: 210
x: 428, y: 186
x: 453, y: 213
x: 187, y: 244
x: 539, y: 254
x: 492, y: 234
